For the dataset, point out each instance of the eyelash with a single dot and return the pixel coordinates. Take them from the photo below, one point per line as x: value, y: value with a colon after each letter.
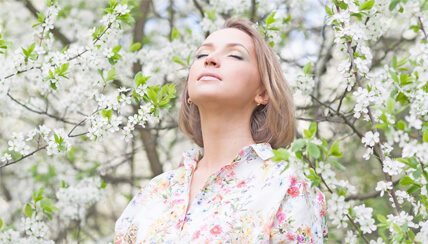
x: 235, y: 56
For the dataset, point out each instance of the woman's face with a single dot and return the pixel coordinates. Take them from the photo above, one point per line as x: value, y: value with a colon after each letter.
x: 225, y: 72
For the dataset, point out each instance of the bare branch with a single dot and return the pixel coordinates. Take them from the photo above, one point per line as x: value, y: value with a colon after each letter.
x: 23, y: 157
x: 40, y: 112
x: 198, y: 6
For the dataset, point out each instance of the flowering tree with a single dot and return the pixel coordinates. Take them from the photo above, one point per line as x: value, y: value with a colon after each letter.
x: 88, y: 108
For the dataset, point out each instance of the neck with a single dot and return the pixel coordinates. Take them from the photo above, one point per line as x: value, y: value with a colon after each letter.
x: 224, y: 134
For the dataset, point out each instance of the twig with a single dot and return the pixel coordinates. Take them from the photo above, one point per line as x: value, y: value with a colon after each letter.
x: 40, y: 112
x: 23, y: 157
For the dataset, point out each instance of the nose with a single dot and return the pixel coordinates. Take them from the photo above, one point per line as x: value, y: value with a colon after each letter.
x: 210, y: 60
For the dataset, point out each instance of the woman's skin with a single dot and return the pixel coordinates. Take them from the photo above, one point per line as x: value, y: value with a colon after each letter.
x: 225, y: 105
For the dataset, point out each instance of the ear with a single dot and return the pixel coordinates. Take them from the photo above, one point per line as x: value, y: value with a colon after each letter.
x: 262, y: 96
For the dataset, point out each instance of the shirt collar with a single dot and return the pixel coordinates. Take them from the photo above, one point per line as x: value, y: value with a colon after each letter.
x: 263, y: 150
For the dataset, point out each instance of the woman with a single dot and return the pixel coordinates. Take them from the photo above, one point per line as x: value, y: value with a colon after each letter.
x: 236, y: 107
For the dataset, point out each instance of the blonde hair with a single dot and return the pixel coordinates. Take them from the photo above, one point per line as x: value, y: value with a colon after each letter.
x: 274, y: 122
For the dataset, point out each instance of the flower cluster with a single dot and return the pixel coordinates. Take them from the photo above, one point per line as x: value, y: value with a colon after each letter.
x: 76, y: 199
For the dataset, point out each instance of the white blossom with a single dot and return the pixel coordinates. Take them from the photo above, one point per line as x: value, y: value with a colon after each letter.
x: 121, y: 9
x: 402, y: 219
x: 378, y: 241
x: 368, y: 153
x: 350, y: 237
x: 364, y: 218
x: 58, y: 142
x: 363, y: 99
x: 383, y: 186
x: 305, y: 84
x: 370, y: 138
x: 18, y: 144
x: 75, y: 200
x: 338, y: 209
x: 422, y: 235
x: 392, y: 167
x: 34, y: 227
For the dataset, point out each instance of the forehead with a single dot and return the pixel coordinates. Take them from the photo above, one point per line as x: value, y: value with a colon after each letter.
x: 224, y: 36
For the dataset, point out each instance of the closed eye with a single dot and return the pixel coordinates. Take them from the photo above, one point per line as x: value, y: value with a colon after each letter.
x: 237, y: 57
x: 201, y: 55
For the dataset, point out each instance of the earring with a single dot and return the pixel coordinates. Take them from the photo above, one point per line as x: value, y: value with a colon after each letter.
x: 189, y: 101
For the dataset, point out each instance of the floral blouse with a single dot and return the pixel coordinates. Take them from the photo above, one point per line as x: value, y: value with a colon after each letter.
x: 251, y: 200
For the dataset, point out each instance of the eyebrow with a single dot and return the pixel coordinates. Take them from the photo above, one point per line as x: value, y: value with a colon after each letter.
x: 209, y: 44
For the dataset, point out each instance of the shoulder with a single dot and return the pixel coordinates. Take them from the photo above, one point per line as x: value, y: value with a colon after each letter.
x: 302, y: 207
x: 297, y: 186
x: 165, y: 180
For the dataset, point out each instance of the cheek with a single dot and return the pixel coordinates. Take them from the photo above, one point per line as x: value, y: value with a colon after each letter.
x: 194, y: 71
x: 246, y: 76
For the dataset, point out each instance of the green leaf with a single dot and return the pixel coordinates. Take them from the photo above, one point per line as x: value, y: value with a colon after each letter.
x: 48, y: 207
x: 62, y: 70
x: 328, y: 10
x: 413, y: 189
x: 107, y: 113
x: 390, y: 105
x: 336, y: 164
x: 409, y: 162
x: 111, y: 74
x: 298, y: 145
x: 406, y: 180
x: 307, y: 69
x: 335, y: 150
x: 281, y: 154
x: 63, y: 184
x: 270, y: 19
x: 404, y: 79
x: 152, y: 94
x: 98, y: 32
x: 313, y: 176
x: 425, y: 136
x: 40, y: 19
x: 211, y: 15
x: 178, y: 60
x: 1, y: 224
x: 313, y: 150
x: 126, y: 18
x: 103, y: 184
x: 310, y: 132
x: 175, y: 34
x: 38, y: 195
x: 341, y: 4
x: 28, y: 210
x: 381, y: 219
x: 140, y: 79
x: 167, y: 93
x: 3, y: 45
x: 367, y: 5
x: 28, y: 53
x: 403, y: 99
x: 58, y: 139
x: 359, y: 16
x: 393, y: 4
x: 401, y: 125
x: 135, y: 47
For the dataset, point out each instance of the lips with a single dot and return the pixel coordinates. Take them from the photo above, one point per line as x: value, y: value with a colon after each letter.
x: 208, y: 76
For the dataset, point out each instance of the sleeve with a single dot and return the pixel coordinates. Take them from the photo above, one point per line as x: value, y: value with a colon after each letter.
x: 125, y: 228
x: 301, y: 216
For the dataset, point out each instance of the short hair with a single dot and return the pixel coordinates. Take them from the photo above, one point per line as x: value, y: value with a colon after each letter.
x: 274, y: 122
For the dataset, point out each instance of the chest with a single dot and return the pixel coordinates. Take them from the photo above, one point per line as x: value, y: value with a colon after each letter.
x: 227, y: 205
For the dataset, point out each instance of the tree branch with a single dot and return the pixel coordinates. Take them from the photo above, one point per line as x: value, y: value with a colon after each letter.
x: 41, y: 112
x: 57, y: 34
